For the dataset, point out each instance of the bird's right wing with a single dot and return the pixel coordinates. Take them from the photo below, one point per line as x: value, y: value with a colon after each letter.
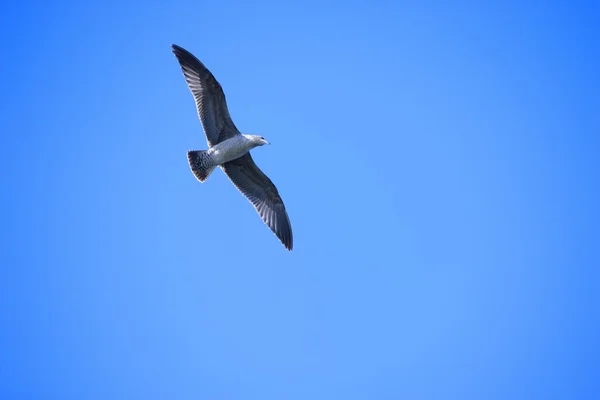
x: 263, y: 195
x: 209, y: 96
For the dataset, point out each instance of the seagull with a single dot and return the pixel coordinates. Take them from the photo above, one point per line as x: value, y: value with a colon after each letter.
x: 230, y: 149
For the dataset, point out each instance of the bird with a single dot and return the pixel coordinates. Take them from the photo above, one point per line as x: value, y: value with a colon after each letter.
x: 229, y: 149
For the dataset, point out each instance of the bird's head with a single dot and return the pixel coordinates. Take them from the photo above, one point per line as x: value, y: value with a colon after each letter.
x: 257, y: 140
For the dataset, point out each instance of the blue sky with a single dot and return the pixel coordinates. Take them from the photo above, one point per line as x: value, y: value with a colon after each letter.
x: 438, y: 163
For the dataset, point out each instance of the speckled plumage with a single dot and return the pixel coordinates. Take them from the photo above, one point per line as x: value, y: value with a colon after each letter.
x: 230, y: 149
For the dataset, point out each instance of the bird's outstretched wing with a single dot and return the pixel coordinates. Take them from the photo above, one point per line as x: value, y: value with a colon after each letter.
x: 209, y: 96
x: 263, y: 195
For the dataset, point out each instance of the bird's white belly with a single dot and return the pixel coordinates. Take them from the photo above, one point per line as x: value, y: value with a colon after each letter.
x: 229, y: 149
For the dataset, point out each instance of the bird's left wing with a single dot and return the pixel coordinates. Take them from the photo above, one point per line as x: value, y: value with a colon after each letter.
x: 263, y: 195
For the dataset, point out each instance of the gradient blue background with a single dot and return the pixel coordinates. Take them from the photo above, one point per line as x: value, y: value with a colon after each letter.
x: 439, y: 164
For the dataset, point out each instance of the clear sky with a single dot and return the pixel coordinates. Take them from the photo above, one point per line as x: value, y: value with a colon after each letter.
x: 440, y: 169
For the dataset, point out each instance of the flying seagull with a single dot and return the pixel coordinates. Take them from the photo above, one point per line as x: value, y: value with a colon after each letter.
x: 230, y: 149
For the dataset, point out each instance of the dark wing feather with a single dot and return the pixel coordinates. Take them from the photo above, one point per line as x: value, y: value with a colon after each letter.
x: 209, y: 96
x: 263, y: 195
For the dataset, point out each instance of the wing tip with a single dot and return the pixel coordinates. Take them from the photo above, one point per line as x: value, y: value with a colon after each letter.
x: 180, y: 52
x: 285, y: 235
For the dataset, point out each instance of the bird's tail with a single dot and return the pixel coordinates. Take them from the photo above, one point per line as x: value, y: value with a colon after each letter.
x: 201, y: 164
